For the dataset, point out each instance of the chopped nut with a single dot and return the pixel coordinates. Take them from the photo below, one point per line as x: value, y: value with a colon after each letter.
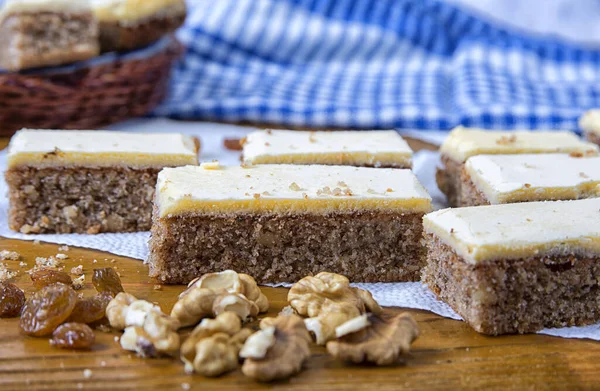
x: 389, y: 190
x: 324, y: 191
x: 504, y: 140
x: 5, y: 273
x: 256, y: 195
x: 576, y: 154
x: 214, y: 293
x: 259, y: 343
x: 6, y: 255
x: 342, y: 184
x: 527, y: 185
x: 294, y: 187
x: 214, y: 165
x: 156, y: 337
x: 381, y: 340
x: 329, y: 301
x: 283, y: 357
x: 61, y: 256
x: 233, y: 144
x: 63, y: 248
x: 50, y: 262
x: 583, y: 175
x: 213, y: 347
x: 79, y: 282
x: 287, y: 310
x: 267, y: 144
x: 77, y: 270
x: 22, y: 264
x: 87, y: 373
x: 157, y: 287
x: 126, y: 310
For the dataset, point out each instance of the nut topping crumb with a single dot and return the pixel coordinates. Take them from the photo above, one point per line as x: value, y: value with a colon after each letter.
x: 389, y: 190
x: 87, y: 373
x: 267, y: 144
x: 527, y: 185
x: 256, y: 195
x: 583, y: 175
x: 6, y: 255
x: 324, y: 191
x: 342, y: 184
x: 294, y: 187
x: 61, y: 256
x: 5, y: 273
x: 77, y: 270
x: 576, y: 154
x: 505, y: 140
x: 79, y: 282
x: 63, y: 248
x: 312, y: 137
x: 233, y: 144
x: 157, y: 287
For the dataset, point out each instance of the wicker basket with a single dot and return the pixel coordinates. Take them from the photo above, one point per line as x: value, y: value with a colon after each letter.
x: 91, y: 95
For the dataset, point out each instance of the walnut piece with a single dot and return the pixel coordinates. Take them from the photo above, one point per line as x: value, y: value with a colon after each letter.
x: 214, y: 293
x: 6, y: 255
x: 285, y: 356
x: 126, y: 310
x: 329, y: 301
x: 378, y: 339
x: 213, y: 347
x: 157, y: 336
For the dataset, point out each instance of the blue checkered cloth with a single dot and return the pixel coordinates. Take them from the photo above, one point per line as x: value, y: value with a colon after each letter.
x: 374, y: 64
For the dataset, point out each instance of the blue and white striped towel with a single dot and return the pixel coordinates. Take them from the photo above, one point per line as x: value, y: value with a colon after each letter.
x: 374, y: 64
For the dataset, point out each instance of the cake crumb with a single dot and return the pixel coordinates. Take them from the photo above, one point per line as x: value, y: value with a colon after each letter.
x: 527, y: 185
x: 246, y: 165
x: 87, y: 373
x: 451, y: 230
x: 5, y: 273
x: 371, y: 191
x: 36, y: 242
x: 79, y: 282
x: 6, y: 255
x: 23, y: 264
x: 294, y: 187
x: 576, y: 154
x: 50, y: 262
x: 157, y: 287
x: 504, y: 140
x: 342, y: 184
x: 103, y: 328
x: 233, y: 144
x: 63, y: 248
x: 256, y: 195
x: 77, y: 270
x: 102, y: 363
x: 116, y: 339
x: 95, y: 261
x: 214, y: 165
x: 266, y: 193
x: 61, y: 256
x: 269, y: 131
x: 185, y: 386
x: 305, y: 196
x: 267, y: 144
x: 389, y: 190
x: 324, y: 191
x: 582, y: 175
x: 312, y: 137
x: 337, y: 191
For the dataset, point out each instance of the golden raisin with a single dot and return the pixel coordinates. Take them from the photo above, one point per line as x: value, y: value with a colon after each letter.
x: 73, y: 336
x: 44, y: 277
x: 12, y: 300
x: 47, y: 309
x: 107, y: 280
x: 91, y: 310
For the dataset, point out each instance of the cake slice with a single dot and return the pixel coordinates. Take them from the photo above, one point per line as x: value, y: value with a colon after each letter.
x: 280, y: 223
x: 517, y: 268
x: 503, y: 179
x: 39, y: 33
x: 131, y: 24
x: 590, y: 123
x: 463, y: 143
x: 344, y: 148
x: 88, y: 181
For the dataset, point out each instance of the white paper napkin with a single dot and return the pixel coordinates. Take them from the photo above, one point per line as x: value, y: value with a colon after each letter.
x: 410, y: 295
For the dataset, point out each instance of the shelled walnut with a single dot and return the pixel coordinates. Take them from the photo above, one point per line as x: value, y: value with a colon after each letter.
x: 126, y: 310
x: 213, y: 347
x: 156, y: 337
x: 378, y: 339
x: 278, y: 350
x: 329, y: 301
x: 210, y: 294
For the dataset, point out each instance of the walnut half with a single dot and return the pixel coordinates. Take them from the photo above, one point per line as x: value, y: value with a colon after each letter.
x: 213, y: 347
x: 378, y: 339
x: 214, y: 293
x: 329, y: 301
x: 156, y: 337
x: 278, y: 350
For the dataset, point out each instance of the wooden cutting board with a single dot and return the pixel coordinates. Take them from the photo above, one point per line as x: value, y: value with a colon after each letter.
x: 447, y: 355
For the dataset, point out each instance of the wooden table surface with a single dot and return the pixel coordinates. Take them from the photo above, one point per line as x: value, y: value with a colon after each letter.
x: 447, y: 355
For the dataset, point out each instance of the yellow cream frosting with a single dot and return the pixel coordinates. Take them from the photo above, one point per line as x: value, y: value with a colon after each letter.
x: 463, y: 143
x: 288, y: 189
x: 514, y: 231
x: 133, y: 10
x: 534, y: 177
x: 62, y: 148
x: 352, y: 148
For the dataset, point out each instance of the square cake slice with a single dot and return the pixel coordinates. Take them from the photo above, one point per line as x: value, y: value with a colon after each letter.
x: 280, y: 223
x: 517, y: 268
x: 385, y: 149
x: 590, y: 123
x: 39, y: 33
x: 503, y: 179
x: 131, y: 24
x: 88, y: 181
x: 462, y: 143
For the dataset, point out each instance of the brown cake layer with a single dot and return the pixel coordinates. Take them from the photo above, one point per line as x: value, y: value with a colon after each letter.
x: 469, y: 194
x: 366, y: 246
x: 448, y: 180
x: 81, y: 200
x: 593, y: 138
x: 30, y: 40
x: 116, y: 36
x: 515, y: 296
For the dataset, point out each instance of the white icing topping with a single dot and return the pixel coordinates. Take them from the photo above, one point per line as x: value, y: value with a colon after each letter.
x: 42, y: 148
x: 375, y: 148
x: 463, y: 143
x: 129, y: 12
x: 20, y: 6
x: 288, y: 188
x: 590, y: 121
x: 513, y: 231
x: 534, y: 177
